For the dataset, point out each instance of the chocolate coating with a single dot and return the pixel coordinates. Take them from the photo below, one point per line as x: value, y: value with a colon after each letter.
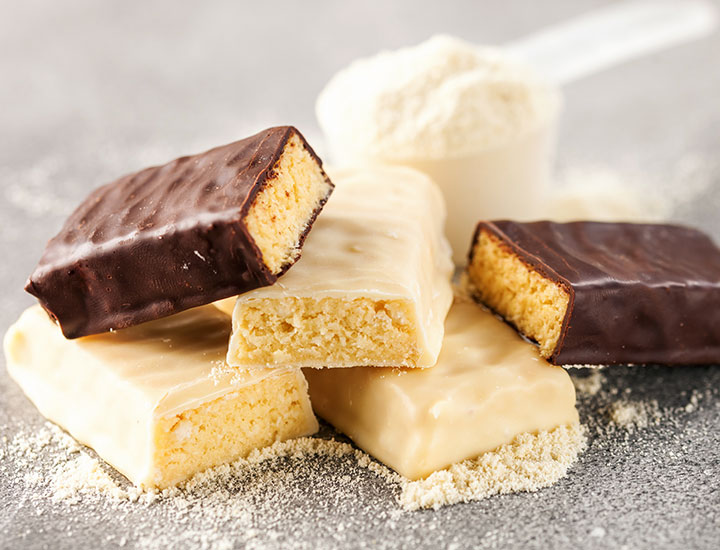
x: 161, y: 240
x: 639, y: 293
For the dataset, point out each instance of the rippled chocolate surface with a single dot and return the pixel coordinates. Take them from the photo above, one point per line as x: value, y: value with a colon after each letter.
x: 161, y: 240
x: 639, y: 293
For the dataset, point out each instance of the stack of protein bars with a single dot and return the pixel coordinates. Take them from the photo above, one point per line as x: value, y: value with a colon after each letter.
x: 178, y: 325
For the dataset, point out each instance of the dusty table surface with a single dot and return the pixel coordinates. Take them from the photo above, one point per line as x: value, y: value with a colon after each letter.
x: 92, y: 90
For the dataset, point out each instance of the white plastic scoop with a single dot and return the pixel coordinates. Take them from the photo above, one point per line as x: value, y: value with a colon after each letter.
x: 425, y: 106
x: 610, y: 36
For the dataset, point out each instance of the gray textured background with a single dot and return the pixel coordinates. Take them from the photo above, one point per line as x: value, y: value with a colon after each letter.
x: 90, y: 90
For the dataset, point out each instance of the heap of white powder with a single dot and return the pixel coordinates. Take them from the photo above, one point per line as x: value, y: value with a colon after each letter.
x: 529, y: 463
x: 443, y: 97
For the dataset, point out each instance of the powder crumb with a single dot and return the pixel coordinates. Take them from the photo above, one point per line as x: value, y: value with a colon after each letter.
x: 589, y: 384
x: 220, y: 372
x: 26, y: 447
x: 694, y: 402
x: 80, y: 475
x: 529, y: 463
x: 632, y: 415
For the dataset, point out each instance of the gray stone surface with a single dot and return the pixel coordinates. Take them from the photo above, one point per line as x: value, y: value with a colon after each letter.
x: 90, y: 90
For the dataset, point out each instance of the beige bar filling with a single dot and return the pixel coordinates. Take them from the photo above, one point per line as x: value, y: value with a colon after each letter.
x: 282, y: 210
x: 533, y: 303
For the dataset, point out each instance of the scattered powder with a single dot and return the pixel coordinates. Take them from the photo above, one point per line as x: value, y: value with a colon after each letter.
x: 691, y: 176
x: 530, y: 462
x: 85, y: 474
x: 220, y: 371
x: 695, y: 398
x: 634, y: 414
x: 33, y: 190
x: 612, y: 411
x: 252, y: 503
x: 26, y: 448
x: 590, y: 384
x: 46, y: 187
x: 601, y: 193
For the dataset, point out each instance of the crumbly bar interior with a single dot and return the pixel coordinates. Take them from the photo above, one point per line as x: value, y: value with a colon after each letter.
x: 535, y: 304
x: 324, y: 332
x: 281, y: 211
x: 230, y: 427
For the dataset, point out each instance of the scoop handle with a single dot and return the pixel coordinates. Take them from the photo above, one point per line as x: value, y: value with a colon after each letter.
x: 610, y: 36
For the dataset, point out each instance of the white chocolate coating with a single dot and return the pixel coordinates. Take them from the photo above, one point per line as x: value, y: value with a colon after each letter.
x: 488, y: 387
x: 379, y: 237
x: 111, y: 390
